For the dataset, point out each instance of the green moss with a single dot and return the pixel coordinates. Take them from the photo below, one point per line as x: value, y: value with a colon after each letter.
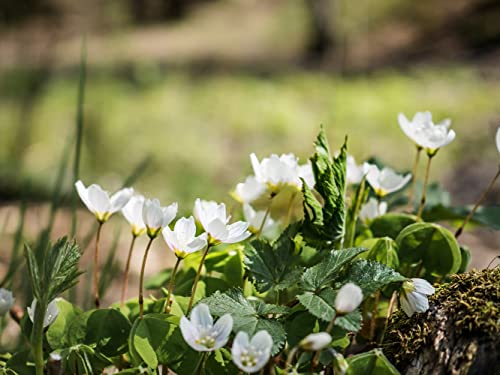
x: 472, y: 302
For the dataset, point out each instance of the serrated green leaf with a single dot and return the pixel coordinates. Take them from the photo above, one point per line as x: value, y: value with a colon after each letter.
x: 371, y: 276
x: 246, y: 317
x: 272, y: 265
x: 320, y: 305
x: 350, y: 322
x: 327, y: 270
x: 324, y: 225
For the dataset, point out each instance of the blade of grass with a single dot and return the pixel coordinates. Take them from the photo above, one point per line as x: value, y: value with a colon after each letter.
x: 137, y: 172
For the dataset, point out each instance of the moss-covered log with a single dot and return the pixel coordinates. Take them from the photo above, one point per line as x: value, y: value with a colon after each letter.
x: 459, y: 334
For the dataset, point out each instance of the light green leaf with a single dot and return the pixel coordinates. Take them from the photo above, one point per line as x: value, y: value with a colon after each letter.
x: 383, y: 250
x: 373, y: 362
x: 58, y: 332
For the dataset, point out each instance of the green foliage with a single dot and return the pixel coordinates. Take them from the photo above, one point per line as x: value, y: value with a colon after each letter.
x: 274, y: 265
x: 328, y: 268
x: 431, y: 244
x: 321, y: 304
x: 391, y: 224
x: 383, y: 250
x: 249, y: 316
x: 371, y: 276
x: 373, y: 362
x: 324, y: 224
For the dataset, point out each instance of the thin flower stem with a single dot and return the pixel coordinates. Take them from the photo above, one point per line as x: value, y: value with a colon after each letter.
x: 141, y: 280
x: 414, y: 179
x: 315, y: 359
x: 268, y: 211
x: 290, y: 359
x: 96, y: 265
x: 426, y: 182
x: 127, y: 268
x: 197, y: 278
x: 389, y: 313
x: 478, y: 203
x: 289, y: 211
x: 37, y: 337
x: 202, y: 363
x: 171, y: 286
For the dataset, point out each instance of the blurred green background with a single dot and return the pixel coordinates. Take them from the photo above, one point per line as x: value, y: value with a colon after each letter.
x: 197, y: 85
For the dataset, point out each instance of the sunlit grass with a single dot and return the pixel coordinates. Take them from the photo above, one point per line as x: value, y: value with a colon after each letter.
x: 200, y: 129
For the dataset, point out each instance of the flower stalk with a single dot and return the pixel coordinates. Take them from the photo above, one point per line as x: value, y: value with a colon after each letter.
x: 141, y: 280
x: 197, y: 278
x: 414, y: 178
x: 171, y: 286
x: 478, y: 203
x: 96, y: 265
x: 426, y: 182
x: 127, y: 268
x: 37, y: 336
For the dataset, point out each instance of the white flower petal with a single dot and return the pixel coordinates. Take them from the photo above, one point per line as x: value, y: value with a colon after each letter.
x: 201, y: 317
x: 99, y: 199
x: 423, y: 286
x: 6, y: 301
x: 316, y: 341
x: 120, y: 199
x: 498, y: 139
x: 237, y: 232
x: 222, y: 329
x: 83, y: 193
x: 190, y: 334
x: 132, y: 212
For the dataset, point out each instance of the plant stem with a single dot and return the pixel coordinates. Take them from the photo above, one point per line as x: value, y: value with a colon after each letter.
x: 373, y: 320
x: 268, y: 211
x: 171, y: 286
x: 127, y: 268
x: 414, y: 179
x: 197, y: 278
x: 141, y: 280
x: 389, y: 313
x: 202, y: 363
x: 37, y: 336
x: 426, y: 182
x: 289, y: 211
x: 290, y: 358
x: 96, y: 266
x: 478, y: 203
x: 315, y: 359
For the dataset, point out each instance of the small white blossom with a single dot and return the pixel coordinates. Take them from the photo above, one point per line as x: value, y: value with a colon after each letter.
x: 384, y: 181
x: 316, y: 341
x: 255, y: 219
x: 413, y: 296
x: 277, y: 172
x: 157, y: 217
x: 6, y: 301
x: 425, y: 133
x: 354, y: 172
x: 133, y: 214
x: 498, y: 139
x: 182, y: 240
x: 251, y: 355
x: 249, y: 191
x: 50, y: 314
x: 99, y: 202
x: 348, y: 298
x: 214, y: 220
x: 201, y: 334
x: 372, y: 209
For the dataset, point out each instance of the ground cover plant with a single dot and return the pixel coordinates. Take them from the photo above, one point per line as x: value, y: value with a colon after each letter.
x: 302, y: 277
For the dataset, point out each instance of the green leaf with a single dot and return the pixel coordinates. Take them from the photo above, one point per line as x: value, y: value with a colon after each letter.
x: 324, y: 225
x: 246, y: 317
x: 109, y: 330
x: 371, y: 276
x: 485, y: 215
x: 233, y: 269
x: 272, y: 265
x: 350, y: 322
x: 466, y: 258
x: 59, y: 333
x: 298, y: 326
x: 391, y: 224
x: 432, y: 244
x: 320, y: 305
x: 327, y: 270
x: 383, y: 250
x: 373, y: 362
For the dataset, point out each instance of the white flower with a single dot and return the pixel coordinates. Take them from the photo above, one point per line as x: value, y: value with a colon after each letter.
x: 348, y: 298
x: 100, y: 203
x: 371, y: 209
x: 255, y: 219
x: 425, y: 133
x: 279, y: 171
x: 413, y: 296
x: 354, y: 172
x: 201, y: 333
x: 251, y: 355
x: 316, y: 341
x: 6, y: 301
x: 498, y: 139
x: 133, y: 214
x: 50, y: 314
x: 156, y: 217
x: 214, y: 220
x: 384, y: 181
x: 249, y: 191
x: 182, y: 240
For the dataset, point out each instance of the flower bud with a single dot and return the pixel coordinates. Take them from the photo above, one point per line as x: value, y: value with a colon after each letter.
x: 315, y: 341
x: 6, y: 301
x: 340, y: 365
x: 348, y: 298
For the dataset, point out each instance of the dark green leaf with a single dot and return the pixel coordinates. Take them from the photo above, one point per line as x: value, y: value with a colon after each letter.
x: 109, y: 330
x: 320, y: 305
x: 391, y: 224
x: 350, y: 322
x: 371, y: 276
